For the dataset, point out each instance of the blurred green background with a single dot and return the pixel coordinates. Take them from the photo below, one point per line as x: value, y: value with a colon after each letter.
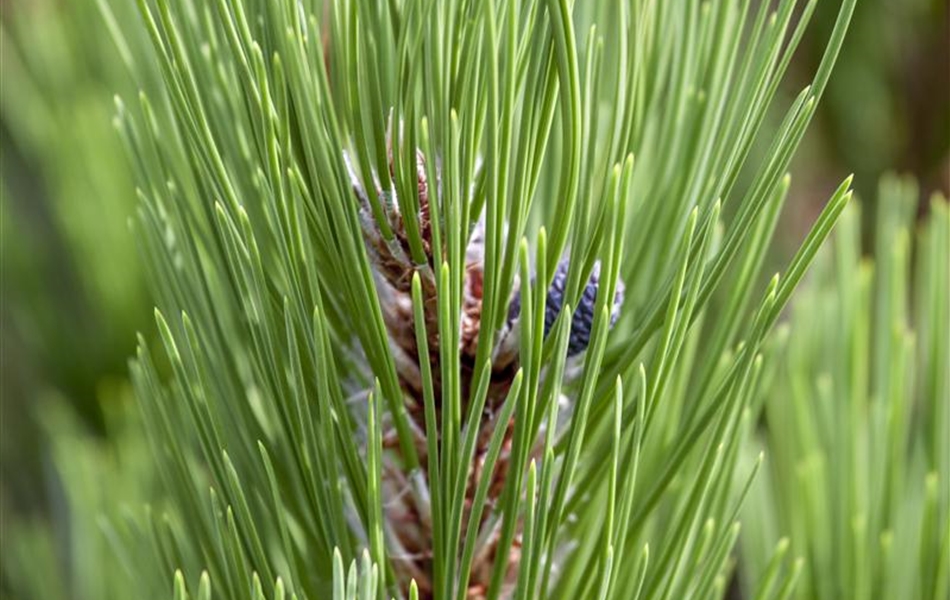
x: 887, y: 107
x: 72, y: 292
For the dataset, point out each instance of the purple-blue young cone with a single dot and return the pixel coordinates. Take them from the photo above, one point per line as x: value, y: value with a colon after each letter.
x: 583, y: 321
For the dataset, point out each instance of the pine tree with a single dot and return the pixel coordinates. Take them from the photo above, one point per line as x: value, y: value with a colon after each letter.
x: 465, y: 295
x: 363, y: 220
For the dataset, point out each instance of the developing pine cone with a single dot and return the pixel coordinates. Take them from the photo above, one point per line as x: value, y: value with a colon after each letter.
x: 407, y: 511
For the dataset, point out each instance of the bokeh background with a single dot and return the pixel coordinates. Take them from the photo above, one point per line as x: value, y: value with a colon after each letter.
x: 887, y: 107
x: 72, y: 296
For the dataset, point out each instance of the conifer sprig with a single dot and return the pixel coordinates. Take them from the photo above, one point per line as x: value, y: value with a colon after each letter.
x: 252, y: 231
x: 339, y: 205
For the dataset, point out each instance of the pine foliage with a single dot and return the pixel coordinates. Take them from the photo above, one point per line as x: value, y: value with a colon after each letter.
x: 306, y: 169
x: 855, y: 416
